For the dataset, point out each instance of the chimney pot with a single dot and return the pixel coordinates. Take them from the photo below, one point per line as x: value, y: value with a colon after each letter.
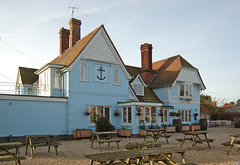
x: 75, y: 28
x: 64, y: 39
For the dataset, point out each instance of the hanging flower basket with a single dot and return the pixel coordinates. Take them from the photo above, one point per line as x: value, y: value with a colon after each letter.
x: 87, y: 112
x: 138, y: 111
x: 138, y: 114
x: 116, y: 113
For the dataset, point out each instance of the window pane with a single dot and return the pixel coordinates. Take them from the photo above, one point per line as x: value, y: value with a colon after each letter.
x: 107, y: 116
x: 92, y: 114
x: 147, y: 115
x: 153, y: 116
x: 141, y: 118
x: 181, y: 89
x: 129, y: 115
x: 99, y: 112
x: 124, y: 115
x: 165, y: 115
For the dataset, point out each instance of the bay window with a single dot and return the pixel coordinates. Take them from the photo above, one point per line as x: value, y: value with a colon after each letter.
x: 148, y: 115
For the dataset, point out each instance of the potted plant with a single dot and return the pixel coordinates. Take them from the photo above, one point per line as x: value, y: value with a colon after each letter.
x: 195, y: 116
x: 195, y: 127
x: 82, y: 133
x: 161, y: 112
x: 124, y: 132
x: 87, y: 112
x: 116, y: 113
x: 169, y: 128
x: 138, y: 111
x: 185, y: 127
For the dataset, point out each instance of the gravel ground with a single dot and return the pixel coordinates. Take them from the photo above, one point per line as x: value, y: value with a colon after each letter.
x: 72, y: 152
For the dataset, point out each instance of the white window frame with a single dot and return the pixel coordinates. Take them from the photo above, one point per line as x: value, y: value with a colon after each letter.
x: 83, y: 72
x: 95, y: 107
x: 187, y: 91
x: 116, y: 76
x: 164, y: 117
x: 143, y: 116
x: 186, y: 115
x: 57, y: 80
x: 127, y: 117
x: 138, y: 88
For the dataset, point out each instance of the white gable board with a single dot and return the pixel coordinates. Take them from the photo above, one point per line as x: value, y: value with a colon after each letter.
x: 189, y: 75
x: 100, y: 49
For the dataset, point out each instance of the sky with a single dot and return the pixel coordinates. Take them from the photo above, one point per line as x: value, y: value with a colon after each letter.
x: 206, y: 33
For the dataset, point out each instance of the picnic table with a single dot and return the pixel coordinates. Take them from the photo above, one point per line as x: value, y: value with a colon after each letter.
x: 234, y: 142
x: 34, y: 141
x: 156, y: 134
x: 105, y: 137
x: 14, y: 156
x: 125, y: 156
x: 195, y: 138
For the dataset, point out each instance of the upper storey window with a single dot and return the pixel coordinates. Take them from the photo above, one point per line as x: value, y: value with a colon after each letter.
x: 83, y: 71
x: 139, y: 89
x: 186, y: 90
x: 116, y: 76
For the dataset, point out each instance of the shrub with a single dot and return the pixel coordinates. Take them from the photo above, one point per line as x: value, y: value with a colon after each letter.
x: 102, y: 124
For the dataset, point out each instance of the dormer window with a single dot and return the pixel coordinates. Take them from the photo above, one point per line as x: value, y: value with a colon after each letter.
x: 139, y: 89
x: 185, y: 90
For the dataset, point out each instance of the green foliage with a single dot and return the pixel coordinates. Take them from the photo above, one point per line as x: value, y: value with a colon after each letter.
x: 145, y: 144
x: 142, y: 126
x: 102, y: 125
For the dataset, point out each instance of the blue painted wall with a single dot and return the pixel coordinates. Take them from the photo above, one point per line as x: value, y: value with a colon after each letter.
x: 82, y: 94
x: 20, y: 118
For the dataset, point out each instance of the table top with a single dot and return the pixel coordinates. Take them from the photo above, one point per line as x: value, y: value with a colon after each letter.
x: 33, y: 136
x: 118, y: 155
x: 195, y: 133
x: 9, y: 144
x: 103, y: 133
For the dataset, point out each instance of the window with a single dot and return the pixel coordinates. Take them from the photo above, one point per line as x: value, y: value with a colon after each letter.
x: 116, y: 76
x: 186, y: 115
x: 164, y: 116
x: 83, y: 71
x: 127, y: 115
x: 148, y: 115
x: 30, y: 92
x: 57, y: 78
x: 139, y: 89
x: 99, y: 111
x: 185, y: 90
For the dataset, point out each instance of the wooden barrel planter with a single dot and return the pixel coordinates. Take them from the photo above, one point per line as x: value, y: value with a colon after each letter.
x: 178, y: 124
x: 204, y: 124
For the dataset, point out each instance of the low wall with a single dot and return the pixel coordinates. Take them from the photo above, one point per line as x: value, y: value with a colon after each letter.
x: 29, y: 115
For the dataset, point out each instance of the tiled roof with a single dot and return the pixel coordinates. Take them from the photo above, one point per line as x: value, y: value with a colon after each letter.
x: 167, y: 71
x: 27, y: 75
x: 149, y: 95
x: 71, y: 54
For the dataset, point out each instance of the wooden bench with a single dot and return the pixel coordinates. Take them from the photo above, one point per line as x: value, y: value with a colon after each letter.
x: 204, y: 140
x: 180, y: 140
x: 156, y: 137
x: 18, y: 158
x: 105, y: 137
x: 9, y: 155
x: 34, y: 141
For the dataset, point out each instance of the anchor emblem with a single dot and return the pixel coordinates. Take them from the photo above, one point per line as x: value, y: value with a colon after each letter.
x: 101, y: 76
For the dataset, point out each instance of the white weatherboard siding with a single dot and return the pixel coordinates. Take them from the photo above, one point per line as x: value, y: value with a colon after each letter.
x: 100, y: 50
x: 189, y: 75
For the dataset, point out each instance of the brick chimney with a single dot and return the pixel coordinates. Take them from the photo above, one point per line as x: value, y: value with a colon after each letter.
x: 74, y: 31
x: 64, y: 39
x: 147, y: 73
